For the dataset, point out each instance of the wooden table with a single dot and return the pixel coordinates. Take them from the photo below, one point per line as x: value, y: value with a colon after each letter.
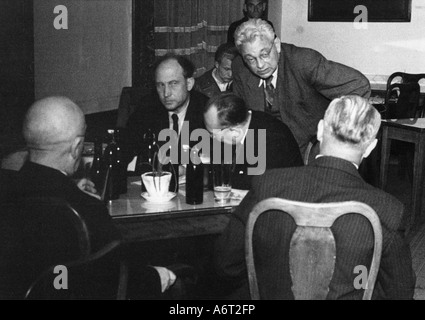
x: 409, y: 130
x: 140, y: 220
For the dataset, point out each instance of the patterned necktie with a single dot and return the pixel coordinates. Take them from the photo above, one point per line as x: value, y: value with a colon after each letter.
x: 175, y: 118
x: 269, y: 93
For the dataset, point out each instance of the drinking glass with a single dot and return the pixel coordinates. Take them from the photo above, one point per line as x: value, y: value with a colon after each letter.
x: 222, y: 181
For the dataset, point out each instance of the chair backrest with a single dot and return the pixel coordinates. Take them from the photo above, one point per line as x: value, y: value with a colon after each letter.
x: 46, y: 209
x: 402, y: 98
x: 101, y: 275
x: 312, y: 251
x: 130, y: 99
x: 312, y: 150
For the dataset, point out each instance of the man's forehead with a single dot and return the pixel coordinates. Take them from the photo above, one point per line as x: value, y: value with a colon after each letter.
x: 256, y: 46
x: 254, y: 2
x: 169, y: 68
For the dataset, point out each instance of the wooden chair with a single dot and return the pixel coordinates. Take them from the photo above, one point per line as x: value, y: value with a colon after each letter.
x: 101, y: 275
x: 402, y: 97
x: 312, y: 150
x: 312, y: 251
x: 130, y: 99
x: 45, y: 209
x: 402, y: 100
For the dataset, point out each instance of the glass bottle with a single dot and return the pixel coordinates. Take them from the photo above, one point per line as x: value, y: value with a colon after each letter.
x: 111, y: 167
x: 145, y: 158
x: 121, y: 164
x: 96, y: 167
x: 194, y: 178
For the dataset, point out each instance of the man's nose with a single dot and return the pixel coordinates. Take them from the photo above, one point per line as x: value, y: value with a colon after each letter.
x: 167, y: 91
x: 260, y: 63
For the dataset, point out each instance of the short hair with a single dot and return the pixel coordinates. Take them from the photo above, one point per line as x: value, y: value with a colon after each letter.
x: 231, y: 109
x: 262, y: 1
x: 187, y: 65
x: 250, y: 30
x: 353, y: 120
x: 227, y: 50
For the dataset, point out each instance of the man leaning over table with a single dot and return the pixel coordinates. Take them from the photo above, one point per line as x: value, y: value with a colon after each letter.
x: 293, y: 84
x: 253, y: 134
x: 54, y: 130
x: 347, y: 135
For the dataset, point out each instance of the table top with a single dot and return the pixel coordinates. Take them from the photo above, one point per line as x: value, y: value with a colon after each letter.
x: 416, y: 124
x: 132, y: 204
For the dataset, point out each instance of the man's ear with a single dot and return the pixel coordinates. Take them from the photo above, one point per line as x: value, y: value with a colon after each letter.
x: 216, y: 64
x: 77, y: 147
x: 190, y: 82
x: 277, y: 44
x: 370, y: 148
x: 320, y: 128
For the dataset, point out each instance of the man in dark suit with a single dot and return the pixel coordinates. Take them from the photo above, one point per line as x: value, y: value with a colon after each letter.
x: 347, y: 134
x: 253, y: 9
x: 219, y: 79
x: 54, y: 130
x: 175, y: 106
x: 254, y: 136
x: 293, y: 84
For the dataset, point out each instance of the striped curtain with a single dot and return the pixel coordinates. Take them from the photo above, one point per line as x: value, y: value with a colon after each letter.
x: 194, y: 28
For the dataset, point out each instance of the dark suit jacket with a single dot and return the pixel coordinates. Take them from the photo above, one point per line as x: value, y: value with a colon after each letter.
x: 326, y: 179
x: 306, y: 83
x: 281, y: 149
x: 152, y: 114
x: 234, y: 25
x: 207, y: 84
x: 26, y: 251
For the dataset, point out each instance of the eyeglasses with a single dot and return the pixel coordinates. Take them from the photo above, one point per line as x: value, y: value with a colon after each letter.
x: 264, y: 56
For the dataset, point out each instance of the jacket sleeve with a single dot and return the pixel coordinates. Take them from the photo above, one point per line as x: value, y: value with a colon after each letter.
x: 396, y: 278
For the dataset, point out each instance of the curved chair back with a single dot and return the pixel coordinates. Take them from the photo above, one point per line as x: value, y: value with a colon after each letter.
x: 45, y: 209
x: 101, y: 275
x: 402, y: 98
x: 312, y: 249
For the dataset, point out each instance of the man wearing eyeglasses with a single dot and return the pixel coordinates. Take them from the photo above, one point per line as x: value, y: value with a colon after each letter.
x: 293, y: 84
x: 253, y: 9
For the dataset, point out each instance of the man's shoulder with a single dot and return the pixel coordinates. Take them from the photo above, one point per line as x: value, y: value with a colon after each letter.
x: 295, y: 54
x: 205, y: 80
x: 262, y: 120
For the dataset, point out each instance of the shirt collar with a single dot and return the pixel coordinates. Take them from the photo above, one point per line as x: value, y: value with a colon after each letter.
x: 222, y: 85
x: 354, y: 164
x: 274, y: 80
x: 181, y: 114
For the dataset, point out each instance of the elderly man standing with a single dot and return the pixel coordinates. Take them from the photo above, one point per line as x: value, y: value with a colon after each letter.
x: 347, y: 135
x: 293, y: 84
x: 54, y: 130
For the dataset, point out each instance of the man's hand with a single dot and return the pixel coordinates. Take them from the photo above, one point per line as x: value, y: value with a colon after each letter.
x: 167, y: 278
x: 88, y: 187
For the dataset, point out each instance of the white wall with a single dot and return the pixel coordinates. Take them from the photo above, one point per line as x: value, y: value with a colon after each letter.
x: 91, y: 61
x: 378, y: 51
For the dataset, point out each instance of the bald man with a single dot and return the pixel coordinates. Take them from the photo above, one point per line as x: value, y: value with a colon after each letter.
x: 54, y: 130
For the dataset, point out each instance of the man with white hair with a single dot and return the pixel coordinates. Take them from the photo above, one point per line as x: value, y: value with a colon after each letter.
x: 347, y: 134
x: 293, y: 84
x: 54, y: 130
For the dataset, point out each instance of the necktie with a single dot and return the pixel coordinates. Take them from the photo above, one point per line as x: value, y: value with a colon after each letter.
x: 175, y: 123
x: 269, y: 93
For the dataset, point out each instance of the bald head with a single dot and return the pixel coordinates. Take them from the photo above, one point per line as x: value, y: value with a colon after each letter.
x: 54, y: 130
x: 52, y: 121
